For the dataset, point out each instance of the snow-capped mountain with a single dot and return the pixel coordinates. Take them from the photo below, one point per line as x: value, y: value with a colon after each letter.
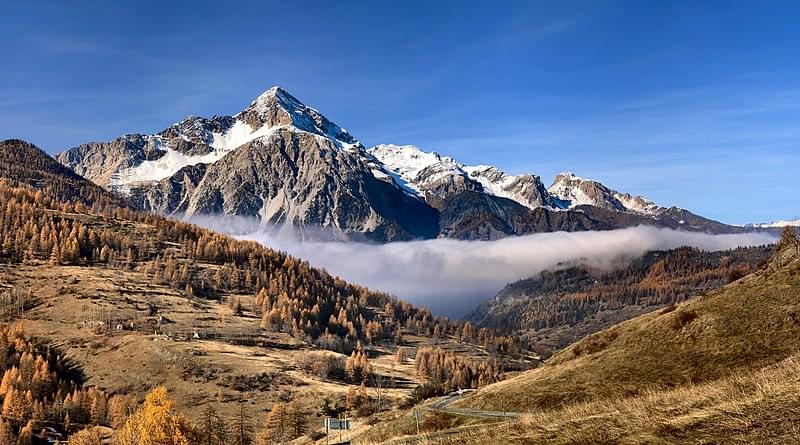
x: 484, y: 202
x: 277, y: 160
x: 526, y: 189
x: 571, y: 191
x: 199, y: 140
x: 287, y: 165
x: 434, y: 176
x: 775, y: 224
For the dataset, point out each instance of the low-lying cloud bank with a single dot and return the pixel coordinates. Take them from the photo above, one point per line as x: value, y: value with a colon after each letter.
x: 451, y: 276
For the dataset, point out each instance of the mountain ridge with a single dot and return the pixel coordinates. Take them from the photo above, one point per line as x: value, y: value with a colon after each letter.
x: 286, y: 164
x: 556, y: 308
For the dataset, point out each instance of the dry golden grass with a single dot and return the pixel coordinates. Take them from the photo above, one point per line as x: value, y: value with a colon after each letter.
x: 402, y: 424
x: 747, y: 325
x: 744, y: 408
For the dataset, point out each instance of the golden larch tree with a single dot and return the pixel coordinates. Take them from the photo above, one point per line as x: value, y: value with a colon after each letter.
x: 155, y: 423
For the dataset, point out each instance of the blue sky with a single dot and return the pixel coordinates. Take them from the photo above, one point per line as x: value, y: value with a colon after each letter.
x: 695, y: 104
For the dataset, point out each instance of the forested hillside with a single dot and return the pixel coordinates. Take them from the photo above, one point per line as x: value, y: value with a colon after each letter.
x: 558, y: 307
x: 746, y: 325
x: 42, y: 389
x: 22, y: 163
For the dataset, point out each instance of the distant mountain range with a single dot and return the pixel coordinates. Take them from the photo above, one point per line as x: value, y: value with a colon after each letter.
x: 293, y: 169
x: 774, y: 224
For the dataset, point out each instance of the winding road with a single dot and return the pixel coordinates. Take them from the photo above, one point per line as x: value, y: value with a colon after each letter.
x: 443, y: 405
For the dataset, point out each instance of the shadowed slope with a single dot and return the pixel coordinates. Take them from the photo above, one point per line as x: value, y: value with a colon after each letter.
x: 24, y: 164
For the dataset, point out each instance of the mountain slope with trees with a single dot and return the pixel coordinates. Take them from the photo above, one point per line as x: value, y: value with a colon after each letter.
x: 22, y: 163
x: 558, y: 307
x: 721, y: 367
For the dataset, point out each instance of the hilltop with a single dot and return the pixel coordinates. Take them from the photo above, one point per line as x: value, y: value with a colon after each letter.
x: 22, y: 163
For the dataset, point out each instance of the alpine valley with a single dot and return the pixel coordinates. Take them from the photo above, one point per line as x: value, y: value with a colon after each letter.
x: 544, y: 224
x: 291, y: 169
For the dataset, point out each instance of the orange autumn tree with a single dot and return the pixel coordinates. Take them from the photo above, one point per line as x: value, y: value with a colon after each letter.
x: 155, y: 423
x: 86, y: 437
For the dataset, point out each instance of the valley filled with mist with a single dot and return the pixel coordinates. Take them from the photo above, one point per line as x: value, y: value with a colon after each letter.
x: 375, y: 223
x: 451, y: 277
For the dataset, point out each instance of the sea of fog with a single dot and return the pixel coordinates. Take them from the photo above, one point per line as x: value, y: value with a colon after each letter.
x: 451, y: 277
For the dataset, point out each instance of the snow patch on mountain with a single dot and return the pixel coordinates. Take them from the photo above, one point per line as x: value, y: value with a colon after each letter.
x: 173, y: 161
x: 638, y: 204
x: 775, y: 224
x: 572, y: 190
x: 498, y: 183
x: 239, y: 134
x: 416, y: 167
x: 566, y: 188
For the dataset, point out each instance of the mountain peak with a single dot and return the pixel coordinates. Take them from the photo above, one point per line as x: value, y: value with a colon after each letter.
x: 277, y: 95
x: 437, y: 174
x: 276, y: 107
x: 568, y: 176
x: 572, y: 190
x: 274, y: 90
x: 410, y: 161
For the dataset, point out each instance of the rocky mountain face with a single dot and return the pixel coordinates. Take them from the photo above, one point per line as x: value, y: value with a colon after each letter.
x: 483, y: 202
x: 294, y: 179
x: 570, y: 191
x: 278, y: 160
x: 435, y: 177
x: 291, y: 168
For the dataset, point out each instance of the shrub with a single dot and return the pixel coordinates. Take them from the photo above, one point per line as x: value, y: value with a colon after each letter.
x: 683, y: 317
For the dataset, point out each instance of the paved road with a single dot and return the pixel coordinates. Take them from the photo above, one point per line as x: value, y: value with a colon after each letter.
x: 443, y: 405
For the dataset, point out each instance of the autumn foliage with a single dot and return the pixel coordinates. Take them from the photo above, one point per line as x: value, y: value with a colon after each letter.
x: 155, y: 423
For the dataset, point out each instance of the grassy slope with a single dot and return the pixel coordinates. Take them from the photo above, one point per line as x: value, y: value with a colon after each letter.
x: 747, y: 325
x: 745, y: 408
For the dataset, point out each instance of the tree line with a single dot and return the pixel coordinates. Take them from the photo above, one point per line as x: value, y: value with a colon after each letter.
x: 40, y: 388
x: 443, y: 371
x: 570, y: 296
